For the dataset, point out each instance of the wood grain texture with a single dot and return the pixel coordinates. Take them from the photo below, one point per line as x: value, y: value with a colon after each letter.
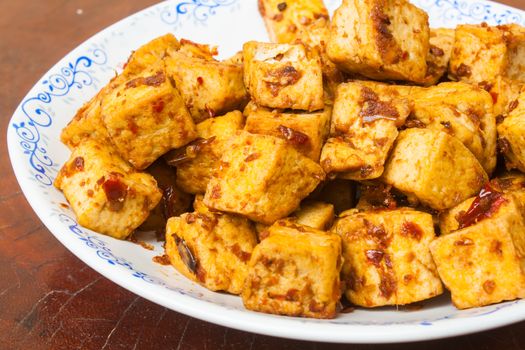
x: 51, y: 300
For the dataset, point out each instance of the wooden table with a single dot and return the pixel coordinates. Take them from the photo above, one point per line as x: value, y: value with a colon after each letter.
x: 49, y: 299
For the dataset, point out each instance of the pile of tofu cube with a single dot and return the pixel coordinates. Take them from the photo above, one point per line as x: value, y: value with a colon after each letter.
x: 368, y: 157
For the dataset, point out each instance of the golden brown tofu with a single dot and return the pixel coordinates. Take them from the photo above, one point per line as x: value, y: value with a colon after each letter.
x: 105, y: 192
x: 196, y: 163
x: 386, y: 257
x: 146, y: 117
x: 363, y: 130
x: 211, y: 248
x: 479, y: 54
x: 208, y: 87
x: 511, y: 133
x: 380, y: 39
x: 305, y: 131
x: 434, y: 167
x: 174, y: 202
x: 150, y: 54
x: 86, y: 124
x: 463, y: 111
x: 261, y: 177
x: 285, y: 19
x: 503, y: 92
x: 283, y: 75
x: 294, y: 272
x: 484, y: 263
x: 441, y: 41
x: 484, y: 54
x: 318, y: 215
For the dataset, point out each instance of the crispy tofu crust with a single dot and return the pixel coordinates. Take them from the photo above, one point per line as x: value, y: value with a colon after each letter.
x: 380, y: 39
x: 463, y: 111
x: 202, y: 157
x: 484, y: 263
x: 283, y: 75
x: 318, y: 215
x: 386, y: 256
x: 208, y: 87
x: 105, y: 192
x: 146, y: 117
x: 294, y: 272
x: 261, y: 177
x: 211, y: 248
x: 511, y: 135
x: 306, y: 132
x: 441, y: 41
x: 434, y: 167
x: 363, y: 130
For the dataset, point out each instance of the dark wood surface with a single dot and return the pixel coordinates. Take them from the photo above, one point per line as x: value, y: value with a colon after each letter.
x: 49, y: 299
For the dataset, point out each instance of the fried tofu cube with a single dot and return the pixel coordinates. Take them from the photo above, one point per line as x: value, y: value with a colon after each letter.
x: 211, y: 248
x: 441, y: 41
x: 196, y: 163
x: 363, y: 130
x: 150, y: 54
x: 306, y: 132
x: 483, y: 53
x: 386, y: 256
x: 261, y: 177
x: 294, y: 272
x: 283, y: 75
x: 484, y: 263
x: 86, y: 124
x: 511, y: 133
x: 285, y: 19
x: 434, y: 167
x: 105, y: 192
x: 463, y: 111
x: 380, y: 39
x: 479, y: 53
x: 146, y: 117
x: 208, y: 87
x: 318, y: 215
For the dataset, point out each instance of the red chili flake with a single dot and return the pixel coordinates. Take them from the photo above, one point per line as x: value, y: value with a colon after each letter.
x: 79, y: 163
x: 170, y: 202
x: 252, y: 156
x: 489, y: 286
x: 200, y: 81
x: 190, y: 218
x: 374, y: 256
x: 101, y: 180
x: 503, y: 145
x: 436, y: 51
x: 282, y: 6
x: 463, y: 70
x: 215, y: 192
x: 116, y: 192
x: 90, y: 193
x: 238, y: 252
x: 411, y: 229
x: 155, y: 80
x: 485, y: 85
x: 211, y: 112
x: 513, y: 105
x: 295, y: 137
x: 494, y: 97
x: 158, y: 106
x: 484, y: 206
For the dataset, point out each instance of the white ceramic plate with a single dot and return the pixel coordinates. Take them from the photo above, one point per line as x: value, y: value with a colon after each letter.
x: 36, y: 155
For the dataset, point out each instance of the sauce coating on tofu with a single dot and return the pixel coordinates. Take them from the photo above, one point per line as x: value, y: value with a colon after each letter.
x: 484, y: 206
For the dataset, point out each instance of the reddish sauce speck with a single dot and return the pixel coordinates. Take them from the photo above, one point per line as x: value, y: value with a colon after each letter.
x: 411, y: 229
x: 116, y: 192
x: 293, y: 136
